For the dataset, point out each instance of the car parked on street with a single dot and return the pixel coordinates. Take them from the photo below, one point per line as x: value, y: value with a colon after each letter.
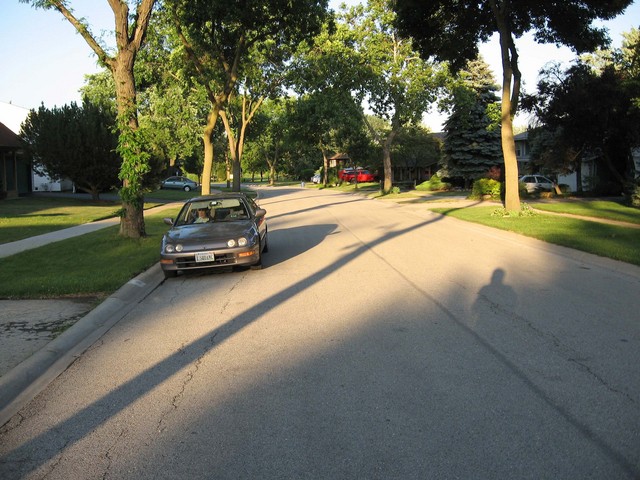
x: 317, y: 178
x: 349, y: 175
x: 536, y: 183
x: 224, y: 230
x: 179, y: 183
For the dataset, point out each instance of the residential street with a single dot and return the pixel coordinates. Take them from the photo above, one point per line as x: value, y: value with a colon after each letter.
x: 379, y: 341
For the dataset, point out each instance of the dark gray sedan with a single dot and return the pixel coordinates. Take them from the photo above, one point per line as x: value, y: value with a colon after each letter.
x: 223, y: 230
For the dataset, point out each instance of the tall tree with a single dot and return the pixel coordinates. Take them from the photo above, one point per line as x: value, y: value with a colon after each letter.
x: 452, y: 30
x: 365, y: 56
x: 130, y: 31
x: 221, y: 37
x: 75, y: 142
x: 324, y: 119
x: 472, y: 143
x: 574, y: 126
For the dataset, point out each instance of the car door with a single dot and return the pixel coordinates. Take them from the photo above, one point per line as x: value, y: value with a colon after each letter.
x: 171, y: 182
x: 544, y: 182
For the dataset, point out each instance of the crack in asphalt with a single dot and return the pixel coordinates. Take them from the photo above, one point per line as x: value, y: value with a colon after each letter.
x: 107, y: 454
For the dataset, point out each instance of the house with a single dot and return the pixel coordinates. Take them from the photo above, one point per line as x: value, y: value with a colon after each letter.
x: 15, y: 178
x: 588, y: 166
x: 522, y: 153
x: 12, y: 117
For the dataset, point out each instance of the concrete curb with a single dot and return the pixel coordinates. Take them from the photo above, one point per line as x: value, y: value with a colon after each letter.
x: 21, y: 385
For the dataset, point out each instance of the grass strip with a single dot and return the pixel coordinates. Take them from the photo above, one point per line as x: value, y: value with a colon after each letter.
x: 618, y: 243
x: 596, y: 208
x: 96, y: 263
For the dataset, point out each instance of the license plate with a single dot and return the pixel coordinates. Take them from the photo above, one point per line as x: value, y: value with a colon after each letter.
x: 205, y: 257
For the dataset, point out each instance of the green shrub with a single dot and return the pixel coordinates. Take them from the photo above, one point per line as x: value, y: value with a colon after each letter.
x: 435, y: 183
x: 525, y: 211
x: 486, y: 186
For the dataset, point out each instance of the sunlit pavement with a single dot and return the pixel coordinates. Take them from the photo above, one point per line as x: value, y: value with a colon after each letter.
x: 377, y: 342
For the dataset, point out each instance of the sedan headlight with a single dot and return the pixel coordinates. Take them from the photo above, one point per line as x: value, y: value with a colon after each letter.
x: 240, y: 242
x: 170, y: 248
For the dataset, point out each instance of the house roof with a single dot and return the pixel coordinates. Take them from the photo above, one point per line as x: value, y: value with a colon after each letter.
x: 8, y: 139
x: 522, y: 136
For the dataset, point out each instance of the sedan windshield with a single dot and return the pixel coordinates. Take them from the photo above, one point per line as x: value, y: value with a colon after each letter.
x: 211, y: 211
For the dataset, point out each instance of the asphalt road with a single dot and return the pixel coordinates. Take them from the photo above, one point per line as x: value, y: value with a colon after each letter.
x: 379, y: 342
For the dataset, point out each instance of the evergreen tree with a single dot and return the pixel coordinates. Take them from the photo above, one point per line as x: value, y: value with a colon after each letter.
x: 472, y: 144
x: 75, y: 142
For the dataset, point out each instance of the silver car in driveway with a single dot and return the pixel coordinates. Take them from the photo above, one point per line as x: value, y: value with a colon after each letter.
x: 535, y: 183
x: 212, y: 231
x: 179, y: 183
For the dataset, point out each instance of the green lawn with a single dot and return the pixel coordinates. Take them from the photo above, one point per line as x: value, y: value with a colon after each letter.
x: 30, y: 216
x: 619, y: 243
x: 95, y: 264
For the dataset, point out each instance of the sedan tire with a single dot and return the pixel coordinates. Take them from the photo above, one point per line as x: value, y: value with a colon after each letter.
x: 187, y: 188
x: 170, y: 273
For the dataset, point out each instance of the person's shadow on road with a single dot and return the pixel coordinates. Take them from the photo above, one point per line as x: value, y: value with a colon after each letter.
x: 496, y: 298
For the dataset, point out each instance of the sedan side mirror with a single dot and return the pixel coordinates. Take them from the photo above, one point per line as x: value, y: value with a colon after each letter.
x: 261, y: 212
x: 168, y: 221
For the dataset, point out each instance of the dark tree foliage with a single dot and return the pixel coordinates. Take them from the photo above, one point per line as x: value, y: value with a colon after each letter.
x: 75, y: 142
x: 418, y: 151
x: 451, y: 31
x: 472, y: 142
x: 585, y: 114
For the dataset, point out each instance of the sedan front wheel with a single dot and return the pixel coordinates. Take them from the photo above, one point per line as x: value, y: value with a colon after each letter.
x: 187, y: 188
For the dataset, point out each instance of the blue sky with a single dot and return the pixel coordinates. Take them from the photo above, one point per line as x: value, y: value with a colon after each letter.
x: 45, y: 61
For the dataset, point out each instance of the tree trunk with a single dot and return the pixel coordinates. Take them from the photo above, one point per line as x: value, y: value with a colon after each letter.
x: 207, y: 138
x: 509, y: 106
x: 134, y: 160
x: 325, y: 167
x: 386, y: 161
x: 132, y: 219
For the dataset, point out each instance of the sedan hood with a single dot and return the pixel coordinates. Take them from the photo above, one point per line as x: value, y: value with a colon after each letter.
x: 210, y: 234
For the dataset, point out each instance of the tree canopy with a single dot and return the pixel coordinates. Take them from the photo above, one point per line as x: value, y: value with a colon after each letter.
x: 75, y: 142
x: 451, y: 31
x: 590, y: 111
x: 222, y: 40
x: 365, y: 56
x: 130, y: 31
